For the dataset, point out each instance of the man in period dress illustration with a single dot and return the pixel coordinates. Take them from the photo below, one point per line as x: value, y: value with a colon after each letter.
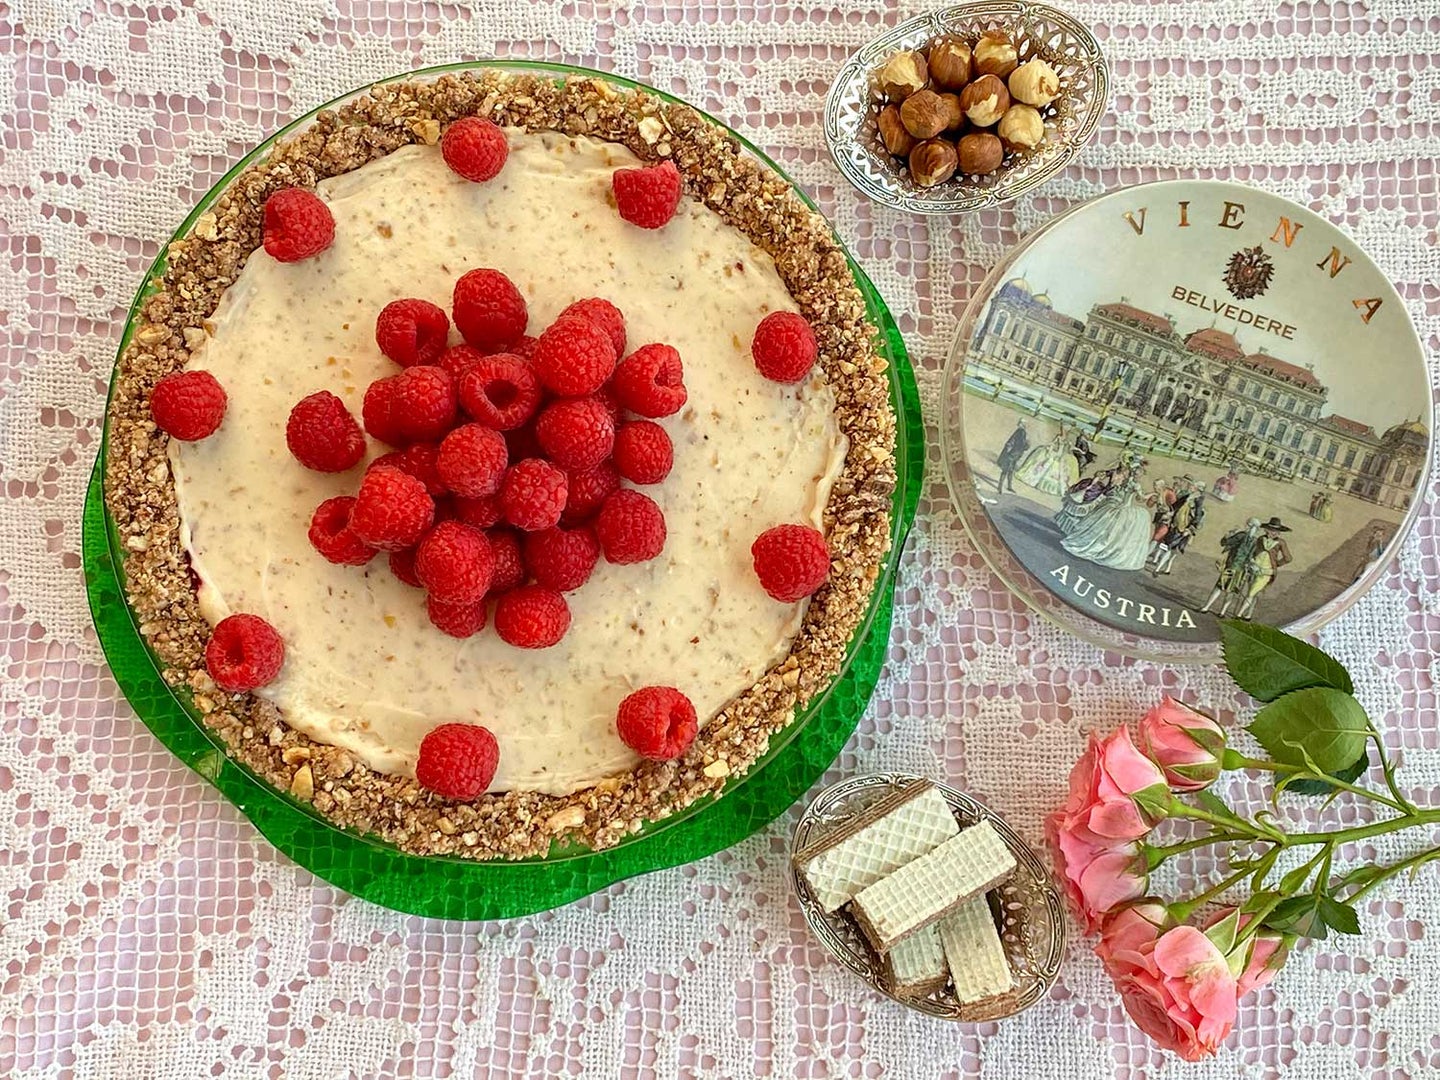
x: 1252, y: 557
x: 1010, y: 455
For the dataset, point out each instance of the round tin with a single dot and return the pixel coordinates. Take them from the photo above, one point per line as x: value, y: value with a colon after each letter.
x: 1185, y: 401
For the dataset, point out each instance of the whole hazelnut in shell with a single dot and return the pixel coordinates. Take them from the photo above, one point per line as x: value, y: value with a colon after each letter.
x: 933, y: 162
x: 903, y: 73
x: 1021, y: 128
x: 954, y: 114
x: 923, y: 114
x: 949, y: 60
x: 994, y: 54
x: 892, y: 132
x: 985, y: 100
x: 1034, y: 83
x: 980, y: 153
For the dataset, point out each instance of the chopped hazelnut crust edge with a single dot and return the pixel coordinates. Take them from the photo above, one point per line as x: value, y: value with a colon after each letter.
x: 140, y: 494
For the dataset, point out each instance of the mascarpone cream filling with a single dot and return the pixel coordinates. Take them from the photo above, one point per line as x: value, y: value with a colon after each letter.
x: 364, y: 669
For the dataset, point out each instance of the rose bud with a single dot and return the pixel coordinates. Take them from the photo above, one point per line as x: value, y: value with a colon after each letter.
x: 1186, y: 744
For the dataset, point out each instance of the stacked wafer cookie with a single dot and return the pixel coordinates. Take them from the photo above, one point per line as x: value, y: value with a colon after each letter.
x: 918, y: 885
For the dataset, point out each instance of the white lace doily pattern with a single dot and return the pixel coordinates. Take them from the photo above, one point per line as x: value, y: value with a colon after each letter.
x: 147, y: 930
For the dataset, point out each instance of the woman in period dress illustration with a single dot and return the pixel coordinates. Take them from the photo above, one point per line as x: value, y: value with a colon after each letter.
x: 1225, y: 486
x: 1051, y: 468
x: 1116, y: 533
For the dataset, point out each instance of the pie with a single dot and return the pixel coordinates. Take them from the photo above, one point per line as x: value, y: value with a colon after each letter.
x: 218, y: 525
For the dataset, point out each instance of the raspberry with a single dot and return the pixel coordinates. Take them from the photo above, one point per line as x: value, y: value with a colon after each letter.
x: 783, y: 347
x: 424, y: 405
x: 459, y: 360
x: 657, y: 722
x: 531, y: 617
x: 457, y: 761
x: 562, y: 559
x: 472, y: 461
x: 420, y: 462
x: 412, y: 331
x: 525, y: 347
x: 603, y: 314
x: 647, y: 197
x: 455, y: 564
x: 297, y: 225
x: 457, y: 620
x: 392, y: 509
x: 509, y: 563
x: 533, y: 494
x: 474, y: 148
x: 323, y: 435
x: 402, y: 565
x: 643, y: 454
x: 573, y: 357
x: 577, y: 433
x: 331, y: 536
x: 489, y: 311
x: 377, y: 411
x: 791, y: 561
x: 188, y: 405
x: 631, y: 527
x: 650, y: 381
x: 500, y: 391
x: 244, y: 652
x: 587, y: 491
x: 481, y: 512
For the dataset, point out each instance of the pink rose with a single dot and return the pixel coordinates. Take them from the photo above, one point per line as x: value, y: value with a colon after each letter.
x: 1179, y: 991
x: 1097, y: 877
x: 1117, y: 794
x: 1258, y: 958
x: 1129, y: 930
x: 1186, y: 744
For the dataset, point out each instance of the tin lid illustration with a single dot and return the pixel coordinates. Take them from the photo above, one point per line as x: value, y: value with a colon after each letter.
x: 1185, y: 401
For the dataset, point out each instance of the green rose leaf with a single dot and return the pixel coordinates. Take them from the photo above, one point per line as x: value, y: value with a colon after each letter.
x: 1327, y: 725
x: 1309, y: 786
x: 1268, y: 663
x: 1338, y: 915
x: 1298, y: 915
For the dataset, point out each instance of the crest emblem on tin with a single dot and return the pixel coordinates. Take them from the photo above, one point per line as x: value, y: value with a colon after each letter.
x: 1248, y: 273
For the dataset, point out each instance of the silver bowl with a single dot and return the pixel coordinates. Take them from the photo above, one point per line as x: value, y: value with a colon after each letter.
x: 1032, y: 916
x: 851, y: 109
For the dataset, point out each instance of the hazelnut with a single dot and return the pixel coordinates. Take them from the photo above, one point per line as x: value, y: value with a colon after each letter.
x: 1035, y: 83
x: 954, y: 114
x: 994, y: 54
x: 980, y: 153
x: 933, y: 162
x: 985, y: 100
x: 949, y: 60
x: 892, y: 132
x: 923, y: 114
x: 903, y: 74
x: 1021, y: 128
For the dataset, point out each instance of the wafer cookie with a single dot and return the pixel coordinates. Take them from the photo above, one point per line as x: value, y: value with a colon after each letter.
x: 973, y: 950
x: 929, y: 888
x: 916, y: 966
x: 896, y: 829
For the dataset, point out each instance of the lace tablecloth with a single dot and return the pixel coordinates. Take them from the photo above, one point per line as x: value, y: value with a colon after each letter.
x: 148, y: 931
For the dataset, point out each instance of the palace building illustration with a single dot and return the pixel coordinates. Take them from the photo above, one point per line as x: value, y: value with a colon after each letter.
x: 1136, y: 378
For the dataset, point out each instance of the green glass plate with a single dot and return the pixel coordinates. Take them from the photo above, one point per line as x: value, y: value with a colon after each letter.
x: 455, y: 888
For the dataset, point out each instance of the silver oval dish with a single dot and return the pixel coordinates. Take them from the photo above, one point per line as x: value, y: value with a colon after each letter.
x: 1032, y: 915
x: 851, y: 109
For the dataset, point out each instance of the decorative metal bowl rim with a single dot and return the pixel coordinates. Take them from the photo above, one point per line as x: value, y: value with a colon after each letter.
x: 947, y: 198
x: 864, y: 964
